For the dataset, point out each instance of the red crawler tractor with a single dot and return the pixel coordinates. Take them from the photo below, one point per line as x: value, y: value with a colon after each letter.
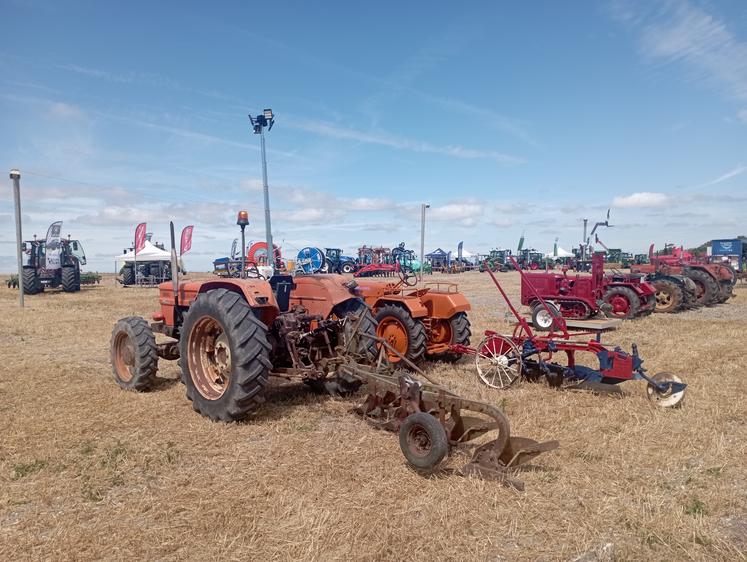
x: 583, y: 296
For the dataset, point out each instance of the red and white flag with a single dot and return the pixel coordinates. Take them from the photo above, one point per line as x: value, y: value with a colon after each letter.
x: 186, y: 243
x: 140, y: 237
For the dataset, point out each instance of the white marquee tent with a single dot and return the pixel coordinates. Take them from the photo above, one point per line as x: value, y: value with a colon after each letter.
x: 561, y: 253
x: 148, y: 253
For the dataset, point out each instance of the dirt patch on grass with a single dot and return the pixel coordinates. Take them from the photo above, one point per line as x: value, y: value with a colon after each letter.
x: 90, y: 471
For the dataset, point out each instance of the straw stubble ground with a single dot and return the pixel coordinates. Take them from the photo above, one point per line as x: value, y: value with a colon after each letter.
x: 90, y: 471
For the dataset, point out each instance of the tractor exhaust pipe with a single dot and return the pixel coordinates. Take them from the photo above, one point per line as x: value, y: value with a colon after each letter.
x: 174, y: 264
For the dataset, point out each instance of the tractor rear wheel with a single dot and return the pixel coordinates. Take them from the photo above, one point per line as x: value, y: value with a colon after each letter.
x: 423, y: 441
x: 361, y: 316
x: 133, y: 353
x: 69, y: 279
x: 455, y: 330
x: 224, y: 356
x: 669, y: 297
x: 706, y: 287
x: 401, y: 331
x: 623, y: 300
x: 128, y: 275
x: 31, y: 283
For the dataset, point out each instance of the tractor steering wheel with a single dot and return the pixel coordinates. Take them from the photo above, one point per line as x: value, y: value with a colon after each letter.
x: 409, y: 278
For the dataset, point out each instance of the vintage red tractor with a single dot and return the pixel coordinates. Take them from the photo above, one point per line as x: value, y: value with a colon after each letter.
x: 418, y: 323
x: 713, y: 282
x: 583, y: 296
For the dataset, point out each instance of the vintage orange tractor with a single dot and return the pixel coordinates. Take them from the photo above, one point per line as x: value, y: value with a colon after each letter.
x: 418, y: 323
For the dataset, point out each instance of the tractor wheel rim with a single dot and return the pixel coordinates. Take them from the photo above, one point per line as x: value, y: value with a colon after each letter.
x: 441, y: 331
x: 620, y: 305
x: 418, y: 441
x: 209, y: 358
x: 544, y: 318
x: 124, y: 356
x: 663, y: 299
x: 394, y: 333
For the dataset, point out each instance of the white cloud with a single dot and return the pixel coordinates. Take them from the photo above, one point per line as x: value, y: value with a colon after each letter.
x: 681, y: 33
x: 252, y: 184
x: 739, y: 170
x: 401, y: 143
x: 642, y: 199
x: 456, y: 212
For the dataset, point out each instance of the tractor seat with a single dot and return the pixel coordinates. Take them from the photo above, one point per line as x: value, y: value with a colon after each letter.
x: 282, y: 285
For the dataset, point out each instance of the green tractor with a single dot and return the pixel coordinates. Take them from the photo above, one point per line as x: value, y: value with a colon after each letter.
x: 496, y: 260
x: 36, y: 275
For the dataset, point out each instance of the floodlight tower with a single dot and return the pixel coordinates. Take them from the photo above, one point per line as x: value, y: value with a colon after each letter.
x: 266, y: 119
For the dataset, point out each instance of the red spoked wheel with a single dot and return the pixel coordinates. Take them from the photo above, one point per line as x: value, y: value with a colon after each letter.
x: 498, y: 361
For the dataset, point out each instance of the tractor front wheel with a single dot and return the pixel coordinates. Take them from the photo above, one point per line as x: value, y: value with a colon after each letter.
x: 669, y: 297
x: 624, y: 302
x: 347, y: 267
x: 224, y: 356
x: 69, y: 279
x: 133, y: 353
x: 402, y: 332
x: 423, y: 441
x: 454, y: 331
x: 31, y: 283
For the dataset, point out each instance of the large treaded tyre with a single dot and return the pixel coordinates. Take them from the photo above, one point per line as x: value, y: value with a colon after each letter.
x: 669, y: 296
x: 31, y: 283
x: 725, y: 291
x: 365, y: 347
x: 133, y: 354
x: 708, y: 290
x: 70, y: 283
x: 224, y: 356
x: 615, y: 295
x: 396, y: 325
x: 460, y: 334
x: 128, y: 276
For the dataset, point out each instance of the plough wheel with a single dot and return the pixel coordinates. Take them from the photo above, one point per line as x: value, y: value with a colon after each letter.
x: 423, y: 441
x: 665, y: 399
x: 498, y: 361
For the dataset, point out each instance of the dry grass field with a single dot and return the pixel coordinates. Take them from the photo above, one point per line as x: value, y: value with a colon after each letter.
x: 88, y: 471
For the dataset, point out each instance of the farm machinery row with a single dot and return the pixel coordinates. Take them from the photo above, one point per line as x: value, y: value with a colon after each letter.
x: 232, y: 335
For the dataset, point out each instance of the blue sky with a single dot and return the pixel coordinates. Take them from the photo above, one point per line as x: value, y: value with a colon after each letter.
x: 506, y: 118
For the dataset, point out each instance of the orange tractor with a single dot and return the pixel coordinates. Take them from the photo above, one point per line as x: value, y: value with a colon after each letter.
x: 418, y: 323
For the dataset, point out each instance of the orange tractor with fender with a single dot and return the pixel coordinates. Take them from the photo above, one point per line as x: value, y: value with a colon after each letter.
x: 420, y: 322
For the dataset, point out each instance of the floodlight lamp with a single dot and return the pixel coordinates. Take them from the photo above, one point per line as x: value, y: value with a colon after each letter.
x: 243, y: 218
x: 268, y: 114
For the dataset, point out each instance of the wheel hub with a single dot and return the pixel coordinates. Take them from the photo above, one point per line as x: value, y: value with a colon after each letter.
x: 419, y: 441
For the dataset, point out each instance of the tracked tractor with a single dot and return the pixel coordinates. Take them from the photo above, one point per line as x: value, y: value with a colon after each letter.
x: 36, y: 275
